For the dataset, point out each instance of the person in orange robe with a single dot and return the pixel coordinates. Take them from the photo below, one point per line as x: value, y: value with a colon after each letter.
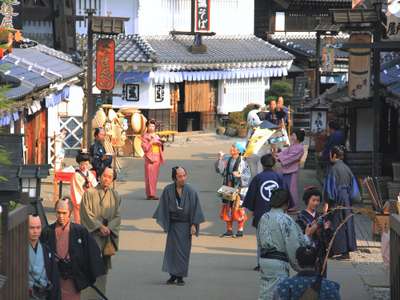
x: 81, y: 181
x: 153, y: 158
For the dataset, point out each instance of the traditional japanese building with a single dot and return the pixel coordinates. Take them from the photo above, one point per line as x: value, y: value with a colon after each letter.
x: 295, y: 25
x: 42, y: 82
x: 185, y: 81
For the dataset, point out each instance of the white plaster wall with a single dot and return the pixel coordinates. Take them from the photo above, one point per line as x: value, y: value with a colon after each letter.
x: 364, y: 132
x: 73, y: 107
x: 115, y: 8
x: 159, y: 17
x: 235, y: 94
x: 228, y: 17
x: 146, y: 98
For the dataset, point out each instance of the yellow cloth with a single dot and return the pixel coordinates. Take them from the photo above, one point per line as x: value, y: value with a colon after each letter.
x: 155, y: 148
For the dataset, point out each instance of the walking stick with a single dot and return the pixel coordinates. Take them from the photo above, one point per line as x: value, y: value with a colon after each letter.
x: 99, y: 292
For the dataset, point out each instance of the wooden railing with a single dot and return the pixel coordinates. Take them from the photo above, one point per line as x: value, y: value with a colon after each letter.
x: 394, y: 256
x: 14, y: 255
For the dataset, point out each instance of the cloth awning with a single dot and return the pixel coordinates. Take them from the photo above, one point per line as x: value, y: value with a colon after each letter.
x: 55, y: 98
x: 161, y: 77
x: 132, y: 77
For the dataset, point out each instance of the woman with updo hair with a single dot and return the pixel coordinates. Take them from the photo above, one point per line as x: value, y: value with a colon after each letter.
x: 153, y: 157
x: 290, y: 159
x: 82, y: 180
x: 341, y: 189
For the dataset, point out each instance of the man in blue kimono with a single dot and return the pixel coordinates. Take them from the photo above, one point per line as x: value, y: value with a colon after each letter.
x: 307, y: 282
x: 100, y: 160
x: 258, y: 196
x: 341, y: 189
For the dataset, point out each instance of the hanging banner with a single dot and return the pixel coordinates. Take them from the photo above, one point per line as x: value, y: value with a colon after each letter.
x: 393, y: 20
x: 202, y: 15
x: 105, y: 64
x: 360, y: 67
x: 328, y: 54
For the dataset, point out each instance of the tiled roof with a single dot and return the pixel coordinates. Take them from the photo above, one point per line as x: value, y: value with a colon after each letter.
x: 220, y: 49
x: 36, y: 67
x: 304, y: 43
x: 175, y: 50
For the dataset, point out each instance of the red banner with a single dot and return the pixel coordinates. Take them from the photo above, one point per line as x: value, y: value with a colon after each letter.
x: 105, y: 63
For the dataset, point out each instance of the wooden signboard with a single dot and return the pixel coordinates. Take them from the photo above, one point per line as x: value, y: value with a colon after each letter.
x: 202, y: 15
x: 360, y: 67
x: 105, y: 64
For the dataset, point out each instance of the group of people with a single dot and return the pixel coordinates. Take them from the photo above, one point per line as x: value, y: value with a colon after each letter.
x: 283, y: 240
x: 70, y: 259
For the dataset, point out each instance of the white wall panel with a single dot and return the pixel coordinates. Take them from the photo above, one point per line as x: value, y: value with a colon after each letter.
x: 235, y: 94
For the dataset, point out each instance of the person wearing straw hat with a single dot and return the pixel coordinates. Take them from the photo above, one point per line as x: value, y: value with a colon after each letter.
x: 236, y: 174
x: 307, y: 284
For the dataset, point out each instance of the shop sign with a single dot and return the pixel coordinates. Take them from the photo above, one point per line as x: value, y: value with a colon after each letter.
x: 105, y: 64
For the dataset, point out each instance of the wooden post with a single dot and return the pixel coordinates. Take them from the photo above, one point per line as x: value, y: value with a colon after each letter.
x: 91, y: 104
x: 317, y: 64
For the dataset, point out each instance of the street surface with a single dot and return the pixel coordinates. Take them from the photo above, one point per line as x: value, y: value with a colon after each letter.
x: 220, y: 268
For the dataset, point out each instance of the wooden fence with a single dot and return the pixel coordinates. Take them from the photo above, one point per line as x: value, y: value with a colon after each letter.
x: 14, y: 255
x: 394, y: 256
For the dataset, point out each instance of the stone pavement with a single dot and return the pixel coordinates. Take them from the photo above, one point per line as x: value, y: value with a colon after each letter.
x: 220, y: 268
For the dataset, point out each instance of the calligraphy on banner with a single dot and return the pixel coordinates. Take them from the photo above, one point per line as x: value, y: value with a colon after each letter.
x: 105, y: 63
x: 328, y: 54
x: 202, y: 15
x: 393, y: 20
x: 360, y: 67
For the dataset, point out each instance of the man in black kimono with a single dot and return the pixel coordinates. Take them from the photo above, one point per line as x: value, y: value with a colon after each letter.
x: 179, y: 214
x: 100, y: 160
x: 43, y: 277
x: 78, y: 256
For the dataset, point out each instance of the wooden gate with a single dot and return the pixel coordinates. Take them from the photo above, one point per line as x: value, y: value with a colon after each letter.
x: 36, y: 138
x: 14, y: 260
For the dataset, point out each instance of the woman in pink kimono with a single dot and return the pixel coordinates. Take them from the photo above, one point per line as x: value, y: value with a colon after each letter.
x: 81, y: 181
x: 153, y: 158
x: 290, y: 162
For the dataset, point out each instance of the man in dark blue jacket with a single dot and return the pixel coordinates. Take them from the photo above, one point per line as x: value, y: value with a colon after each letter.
x: 336, y: 138
x: 258, y: 196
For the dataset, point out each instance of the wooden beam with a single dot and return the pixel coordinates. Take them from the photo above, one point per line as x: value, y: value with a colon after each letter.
x: 383, y: 46
x: 192, y: 33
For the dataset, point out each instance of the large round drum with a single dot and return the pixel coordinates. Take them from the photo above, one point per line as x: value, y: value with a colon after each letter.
x: 138, y: 122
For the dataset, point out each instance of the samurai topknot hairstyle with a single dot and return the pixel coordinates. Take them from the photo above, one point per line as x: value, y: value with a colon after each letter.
x: 338, y: 151
x: 306, y: 256
x: 310, y: 192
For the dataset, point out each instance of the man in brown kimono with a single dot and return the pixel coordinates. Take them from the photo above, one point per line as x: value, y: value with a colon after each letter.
x: 100, y: 214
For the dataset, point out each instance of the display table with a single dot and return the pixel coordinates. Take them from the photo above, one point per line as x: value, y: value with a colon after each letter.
x: 167, y: 134
x: 61, y: 177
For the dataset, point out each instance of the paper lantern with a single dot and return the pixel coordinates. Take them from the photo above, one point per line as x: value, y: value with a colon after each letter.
x: 138, y: 122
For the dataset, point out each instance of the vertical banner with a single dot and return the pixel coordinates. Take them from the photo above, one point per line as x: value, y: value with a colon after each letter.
x: 360, y: 67
x: 328, y: 54
x: 105, y: 63
x: 202, y: 15
x: 393, y: 20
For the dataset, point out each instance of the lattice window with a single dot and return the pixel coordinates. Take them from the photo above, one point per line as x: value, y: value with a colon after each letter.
x: 74, y: 128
